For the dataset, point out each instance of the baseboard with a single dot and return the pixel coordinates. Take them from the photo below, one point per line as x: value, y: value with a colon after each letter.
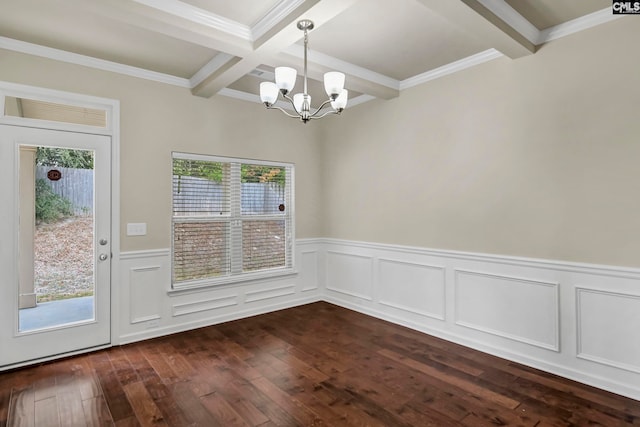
x: 214, y: 320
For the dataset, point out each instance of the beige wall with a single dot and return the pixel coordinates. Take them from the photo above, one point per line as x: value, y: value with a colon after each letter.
x: 157, y: 119
x: 537, y: 157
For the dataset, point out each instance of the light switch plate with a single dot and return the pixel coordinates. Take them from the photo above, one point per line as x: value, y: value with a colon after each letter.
x: 136, y: 229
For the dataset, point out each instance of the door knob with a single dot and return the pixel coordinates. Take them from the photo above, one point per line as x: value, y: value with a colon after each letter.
x: 103, y: 242
x: 103, y: 257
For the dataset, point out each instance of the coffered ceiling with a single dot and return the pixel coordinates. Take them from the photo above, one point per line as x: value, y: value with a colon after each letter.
x: 228, y: 47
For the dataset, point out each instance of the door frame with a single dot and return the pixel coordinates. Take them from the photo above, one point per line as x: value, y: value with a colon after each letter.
x: 111, y: 129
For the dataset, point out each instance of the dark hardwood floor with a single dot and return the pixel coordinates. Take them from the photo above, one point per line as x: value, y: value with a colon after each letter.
x: 315, y: 365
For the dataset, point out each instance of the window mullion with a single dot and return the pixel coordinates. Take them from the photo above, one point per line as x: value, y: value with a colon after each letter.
x: 290, y: 226
x: 235, y: 225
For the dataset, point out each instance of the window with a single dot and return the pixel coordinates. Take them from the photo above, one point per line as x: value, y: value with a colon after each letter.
x: 232, y: 220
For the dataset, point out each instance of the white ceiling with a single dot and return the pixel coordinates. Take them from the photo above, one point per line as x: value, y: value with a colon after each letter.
x: 229, y: 46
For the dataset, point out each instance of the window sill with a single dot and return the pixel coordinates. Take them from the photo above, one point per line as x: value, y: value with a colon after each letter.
x: 210, y: 284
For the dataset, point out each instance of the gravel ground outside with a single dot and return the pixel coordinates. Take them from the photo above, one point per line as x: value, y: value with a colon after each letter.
x: 63, y: 259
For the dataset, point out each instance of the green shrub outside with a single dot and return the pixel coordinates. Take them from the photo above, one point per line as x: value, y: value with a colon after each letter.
x: 50, y: 207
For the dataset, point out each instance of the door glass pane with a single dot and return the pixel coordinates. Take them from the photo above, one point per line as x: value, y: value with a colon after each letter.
x: 56, y: 253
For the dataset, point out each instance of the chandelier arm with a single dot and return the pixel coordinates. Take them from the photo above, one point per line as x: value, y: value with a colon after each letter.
x: 325, y: 114
x: 273, y: 107
x: 288, y: 98
x: 321, y: 107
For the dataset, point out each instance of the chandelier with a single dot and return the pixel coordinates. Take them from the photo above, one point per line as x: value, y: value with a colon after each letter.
x: 301, y: 102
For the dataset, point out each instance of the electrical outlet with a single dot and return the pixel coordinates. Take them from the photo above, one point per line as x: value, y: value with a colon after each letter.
x: 136, y: 229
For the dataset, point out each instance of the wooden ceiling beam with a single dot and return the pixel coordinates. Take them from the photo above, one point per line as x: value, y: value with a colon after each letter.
x: 473, y: 18
x: 277, y: 39
x: 244, y: 55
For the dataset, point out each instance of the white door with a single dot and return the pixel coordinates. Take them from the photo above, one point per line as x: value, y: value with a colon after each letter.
x: 55, y: 243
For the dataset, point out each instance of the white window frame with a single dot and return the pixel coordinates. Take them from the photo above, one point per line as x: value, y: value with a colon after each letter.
x: 233, y: 251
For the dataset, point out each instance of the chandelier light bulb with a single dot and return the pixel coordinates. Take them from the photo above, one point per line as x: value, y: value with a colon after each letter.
x: 333, y: 83
x: 286, y: 78
x: 341, y: 101
x: 268, y: 92
x: 299, y: 102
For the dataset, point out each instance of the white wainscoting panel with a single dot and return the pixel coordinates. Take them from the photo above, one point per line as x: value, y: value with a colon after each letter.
x: 579, y: 321
x: 148, y: 307
x: 269, y: 293
x: 309, y: 270
x: 609, y: 328
x: 145, y: 302
x: 413, y: 287
x: 519, y: 309
x: 204, y: 305
x: 350, y: 274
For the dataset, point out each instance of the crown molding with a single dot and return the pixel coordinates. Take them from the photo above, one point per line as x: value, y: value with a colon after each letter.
x: 511, y: 17
x: 220, y: 59
x: 200, y: 16
x: 499, y: 7
x: 579, y: 24
x: 91, y: 62
x: 453, y: 67
x: 273, y: 17
x: 525, y: 28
